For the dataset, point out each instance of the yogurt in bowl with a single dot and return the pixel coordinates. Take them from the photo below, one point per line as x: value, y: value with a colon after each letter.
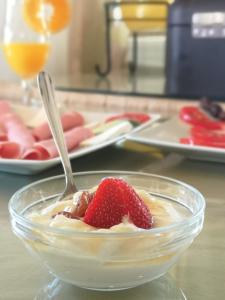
x: 126, y: 254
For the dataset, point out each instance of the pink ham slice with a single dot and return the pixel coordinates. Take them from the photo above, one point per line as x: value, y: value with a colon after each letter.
x: 3, y: 135
x: 5, y: 107
x: 17, y: 131
x: 69, y: 120
x: 47, y: 149
x: 10, y: 150
x: 14, y: 128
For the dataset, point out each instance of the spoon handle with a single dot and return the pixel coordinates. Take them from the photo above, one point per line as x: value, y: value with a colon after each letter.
x: 46, y: 88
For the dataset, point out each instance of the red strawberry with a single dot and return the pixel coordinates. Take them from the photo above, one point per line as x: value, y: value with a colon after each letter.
x: 138, y: 212
x: 113, y: 200
x: 106, y: 208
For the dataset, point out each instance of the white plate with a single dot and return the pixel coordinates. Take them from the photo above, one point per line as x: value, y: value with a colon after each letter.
x: 32, y: 167
x: 166, y: 135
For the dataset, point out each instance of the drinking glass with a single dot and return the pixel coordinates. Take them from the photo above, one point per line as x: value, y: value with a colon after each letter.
x: 26, y: 47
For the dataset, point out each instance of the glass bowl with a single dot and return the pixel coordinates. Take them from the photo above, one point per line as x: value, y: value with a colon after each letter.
x: 106, y: 260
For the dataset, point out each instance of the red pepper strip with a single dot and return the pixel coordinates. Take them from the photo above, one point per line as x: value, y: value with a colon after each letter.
x: 208, y: 135
x: 192, y: 115
x: 136, y: 117
x: 199, y: 142
x: 186, y: 141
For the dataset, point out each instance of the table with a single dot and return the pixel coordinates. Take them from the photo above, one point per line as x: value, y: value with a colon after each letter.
x: 199, y: 274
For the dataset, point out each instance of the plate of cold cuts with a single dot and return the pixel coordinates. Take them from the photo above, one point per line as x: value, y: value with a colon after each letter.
x: 27, y: 146
x: 198, y: 132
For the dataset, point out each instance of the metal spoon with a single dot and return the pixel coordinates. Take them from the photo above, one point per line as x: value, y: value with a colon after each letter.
x: 46, y: 88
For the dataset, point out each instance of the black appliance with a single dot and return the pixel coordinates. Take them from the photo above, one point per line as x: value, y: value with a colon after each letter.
x: 195, y: 52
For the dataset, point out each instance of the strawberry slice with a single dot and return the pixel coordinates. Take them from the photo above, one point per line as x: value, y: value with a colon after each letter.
x: 113, y: 200
x: 138, y: 211
x: 130, y: 116
x: 195, y: 117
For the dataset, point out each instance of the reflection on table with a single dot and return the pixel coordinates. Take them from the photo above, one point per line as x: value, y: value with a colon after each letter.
x: 163, y: 288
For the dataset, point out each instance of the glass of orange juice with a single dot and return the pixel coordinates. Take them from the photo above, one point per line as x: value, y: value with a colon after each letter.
x: 26, y: 49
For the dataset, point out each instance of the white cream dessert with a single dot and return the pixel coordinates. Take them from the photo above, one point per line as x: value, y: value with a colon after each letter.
x: 163, y: 212
x: 101, y: 258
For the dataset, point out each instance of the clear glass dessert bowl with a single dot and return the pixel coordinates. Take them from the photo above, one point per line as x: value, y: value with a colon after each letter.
x: 107, y: 259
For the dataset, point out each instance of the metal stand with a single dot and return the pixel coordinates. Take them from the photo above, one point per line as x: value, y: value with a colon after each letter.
x: 109, y: 18
x: 108, y: 67
x: 134, y: 63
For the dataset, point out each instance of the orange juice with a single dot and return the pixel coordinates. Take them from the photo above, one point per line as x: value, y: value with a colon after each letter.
x: 26, y: 59
x: 57, y: 14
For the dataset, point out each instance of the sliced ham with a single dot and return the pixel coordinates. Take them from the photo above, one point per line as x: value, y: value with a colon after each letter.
x: 69, y: 120
x: 10, y: 150
x: 3, y: 135
x: 36, y: 153
x: 47, y: 149
x: 5, y: 107
x: 17, y: 131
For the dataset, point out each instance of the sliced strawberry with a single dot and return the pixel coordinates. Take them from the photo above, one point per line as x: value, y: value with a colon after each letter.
x: 130, y: 116
x: 217, y: 136
x: 113, y: 200
x: 202, y: 142
x: 195, y: 117
x: 138, y: 212
x: 106, y: 208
